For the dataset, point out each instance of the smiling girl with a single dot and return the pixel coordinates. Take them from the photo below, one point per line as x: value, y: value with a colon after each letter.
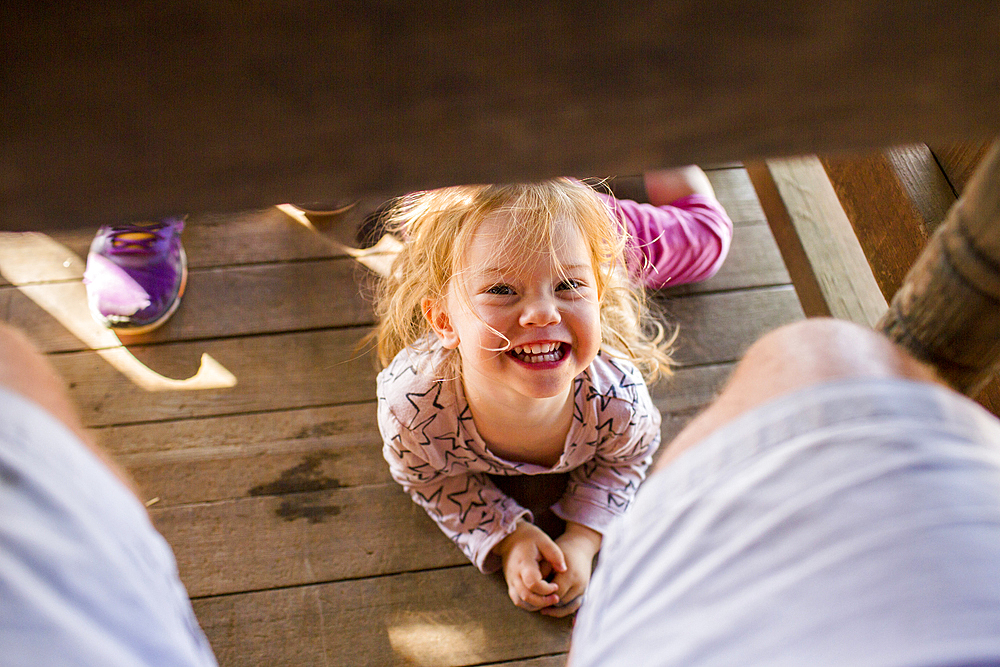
x: 516, y: 343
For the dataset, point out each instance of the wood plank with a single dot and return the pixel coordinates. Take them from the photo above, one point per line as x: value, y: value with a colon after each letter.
x: 720, y: 327
x: 217, y: 303
x: 292, y: 451
x: 224, y: 239
x: 447, y: 617
x: 921, y: 176
x: 218, y: 458
x: 292, y: 539
x: 828, y: 266
x: 213, y: 240
x: 882, y: 193
x: 889, y: 228
x: 293, y: 370
x: 316, y: 368
x: 237, y: 109
x: 294, y: 296
x: 735, y: 192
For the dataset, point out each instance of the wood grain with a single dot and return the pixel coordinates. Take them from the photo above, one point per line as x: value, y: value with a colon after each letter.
x: 217, y: 304
x: 311, y: 294
x: 947, y: 312
x: 894, y: 198
x: 300, y: 450
x: 316, y: 368
x: 235, y: 456
x: 720, y: 327
x: 293, y: 370
x: 114, y: 115
x: 888, y: 225
x: 274, y: 494
x: 735, y: 192
x: 274, y: 541
x: 959, y: 160
x: 927, y: 187
x: 456, y: 616
x: 820, y: 247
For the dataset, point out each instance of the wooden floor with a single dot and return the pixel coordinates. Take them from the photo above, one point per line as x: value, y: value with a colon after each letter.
x: 264, y: 469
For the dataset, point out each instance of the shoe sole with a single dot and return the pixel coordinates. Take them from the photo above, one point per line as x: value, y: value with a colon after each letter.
x: 161, y: 320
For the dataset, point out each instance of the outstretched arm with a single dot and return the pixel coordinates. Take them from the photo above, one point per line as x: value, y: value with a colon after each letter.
x: 664, y: 186
x: 677, y: 237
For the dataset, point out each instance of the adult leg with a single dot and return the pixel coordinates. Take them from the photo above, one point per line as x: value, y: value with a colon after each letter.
x: 25, y: 371
x: 794, y: 357
x: 84, y: 576
x: 835, y: 506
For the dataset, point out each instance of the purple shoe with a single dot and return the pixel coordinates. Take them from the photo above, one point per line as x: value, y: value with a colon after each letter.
x: 136, y: 275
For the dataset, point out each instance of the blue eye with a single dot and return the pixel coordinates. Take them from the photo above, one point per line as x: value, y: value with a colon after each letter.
x: 502, y: 290
x: 569, y: 284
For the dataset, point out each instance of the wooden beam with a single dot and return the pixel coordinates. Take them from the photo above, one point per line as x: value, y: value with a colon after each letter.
x: 827, y: 265
x: 118, y: 111
x: 895, y: 198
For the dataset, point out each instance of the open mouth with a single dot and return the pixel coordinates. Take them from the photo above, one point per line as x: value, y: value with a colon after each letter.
x: 539, y: 353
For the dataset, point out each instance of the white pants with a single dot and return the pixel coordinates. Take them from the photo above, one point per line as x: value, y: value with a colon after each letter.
x: 852, y: 523
x: 84, y: 577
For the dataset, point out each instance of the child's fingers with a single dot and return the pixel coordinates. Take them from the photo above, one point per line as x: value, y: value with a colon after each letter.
x: 551, y: 552
x: 534, y: 583
x: 528, y: 589
x: 558, y: 611
x: 525, y: 597
x: 570, y: 584
x: 534, y: 602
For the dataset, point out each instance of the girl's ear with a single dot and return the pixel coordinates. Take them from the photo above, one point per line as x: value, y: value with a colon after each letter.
x: 440, y: 321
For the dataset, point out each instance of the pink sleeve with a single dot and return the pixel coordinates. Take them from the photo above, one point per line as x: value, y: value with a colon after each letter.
x: 685, y: 241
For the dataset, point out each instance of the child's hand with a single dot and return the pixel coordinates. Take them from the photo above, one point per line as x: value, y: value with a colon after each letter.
x: 579, y: 545
x: 529, y: 556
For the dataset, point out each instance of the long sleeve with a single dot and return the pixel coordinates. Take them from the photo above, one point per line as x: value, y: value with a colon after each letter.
x: 620, y: 427
x: 431, y: 462
x: 682, y: 242
x: 603, y: 488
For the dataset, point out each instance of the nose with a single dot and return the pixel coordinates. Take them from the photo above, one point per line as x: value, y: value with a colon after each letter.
x: 540, y: 311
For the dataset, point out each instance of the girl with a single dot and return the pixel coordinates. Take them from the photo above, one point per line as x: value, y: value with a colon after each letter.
x: 515, y: 341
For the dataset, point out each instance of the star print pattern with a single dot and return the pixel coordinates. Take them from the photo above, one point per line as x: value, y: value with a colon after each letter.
x: 434, y: 451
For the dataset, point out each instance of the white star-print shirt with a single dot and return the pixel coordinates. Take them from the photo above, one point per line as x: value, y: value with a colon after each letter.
x: 436, y: 454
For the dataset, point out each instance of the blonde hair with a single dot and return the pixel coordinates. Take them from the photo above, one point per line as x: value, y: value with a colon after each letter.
x: 438, y: 225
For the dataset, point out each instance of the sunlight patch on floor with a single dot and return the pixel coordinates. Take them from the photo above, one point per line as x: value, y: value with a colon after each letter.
x: 427, y: 640
x: 378, y: 258
x: 27, y: 257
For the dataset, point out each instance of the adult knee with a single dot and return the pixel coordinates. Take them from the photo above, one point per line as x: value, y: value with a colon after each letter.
x: 796, y: 356
x: 819, y: 350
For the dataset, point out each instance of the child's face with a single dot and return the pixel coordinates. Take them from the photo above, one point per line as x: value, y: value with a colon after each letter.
x: 551, y: 317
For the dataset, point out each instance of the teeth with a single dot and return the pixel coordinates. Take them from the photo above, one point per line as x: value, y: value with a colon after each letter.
x: 536, y: 353
x: 536, y: 348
